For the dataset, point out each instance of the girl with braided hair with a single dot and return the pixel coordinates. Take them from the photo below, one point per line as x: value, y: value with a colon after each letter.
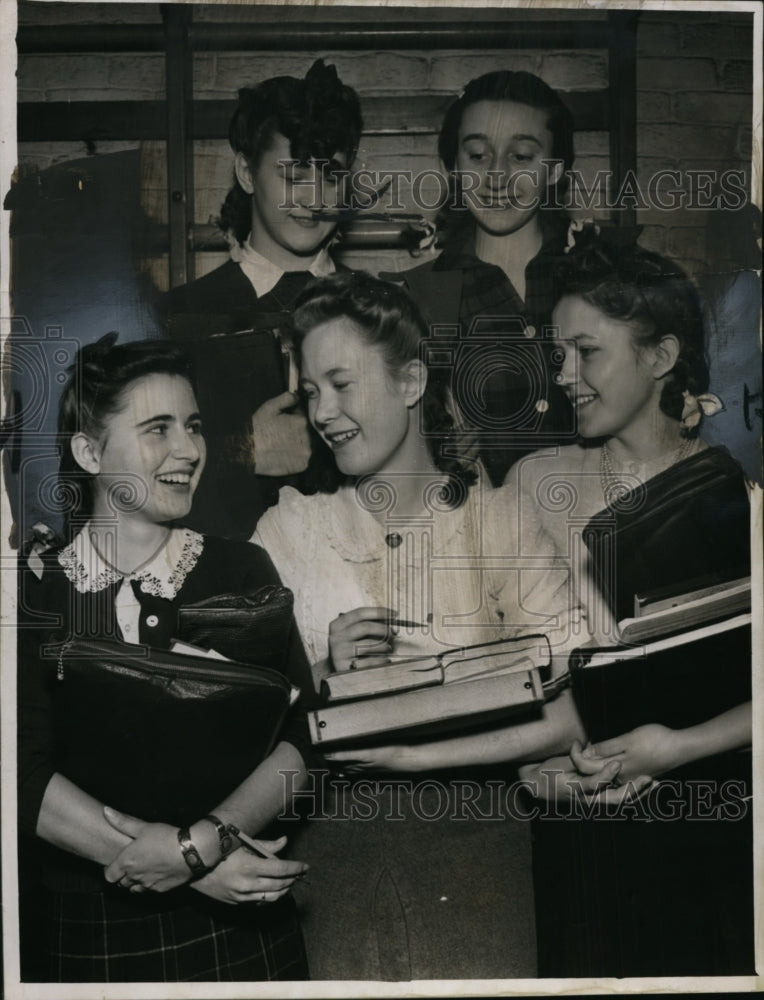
x: 659, y: 510
x: 294, y: 142
x: 388, y: 560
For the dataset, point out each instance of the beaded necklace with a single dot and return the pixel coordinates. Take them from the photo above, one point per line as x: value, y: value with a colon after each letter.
x: 615, y: 488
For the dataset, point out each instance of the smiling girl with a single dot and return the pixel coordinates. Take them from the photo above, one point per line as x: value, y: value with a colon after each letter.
x: 663, y: 509
x: 506, y: 142
x: 631, y: 361
x: 121, y: 901
x: 294, y: 142
x: 389, y: 559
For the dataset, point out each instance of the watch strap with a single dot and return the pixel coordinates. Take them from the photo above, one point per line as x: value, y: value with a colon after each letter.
x: 191, y: 854
x: 224, y: 835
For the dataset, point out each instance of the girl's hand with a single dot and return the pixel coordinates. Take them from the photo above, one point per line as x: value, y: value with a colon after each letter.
x: 390, y: 758
x: 280, y: 436
x: 587, y: 760
x: 582, y: 775
x: 651, y: 749
x: 358, y: 635
x: 244, y: 877
x: 153, y: 859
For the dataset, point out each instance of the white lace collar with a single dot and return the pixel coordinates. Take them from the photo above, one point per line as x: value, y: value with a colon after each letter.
x: 162, y: 576
x: 265, y: 275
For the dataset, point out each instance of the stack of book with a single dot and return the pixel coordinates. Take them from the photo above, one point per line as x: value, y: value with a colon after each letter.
x: 680, y: 660
x: 663, y: 612
x: 425, y: 695
x: 674, y: 644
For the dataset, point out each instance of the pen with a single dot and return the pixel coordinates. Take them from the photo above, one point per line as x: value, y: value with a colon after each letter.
x: 258, y: 847
x: 403, y: 623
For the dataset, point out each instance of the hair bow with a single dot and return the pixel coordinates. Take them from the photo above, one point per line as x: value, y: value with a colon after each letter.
x: 577, y: 226
x: 585, y: 234
x: 695, y: 407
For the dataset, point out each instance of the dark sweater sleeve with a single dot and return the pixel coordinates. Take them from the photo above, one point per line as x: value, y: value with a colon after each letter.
x: 36, y: 677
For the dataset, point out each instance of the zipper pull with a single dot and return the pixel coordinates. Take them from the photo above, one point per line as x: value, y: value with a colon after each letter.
x: 60, y: 665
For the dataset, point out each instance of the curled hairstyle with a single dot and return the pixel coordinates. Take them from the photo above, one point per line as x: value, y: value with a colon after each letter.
x: 634, y: 285
x: 97, y: 381
x: 318, y: 115
x: 524, y: 88
x: 388, y: 319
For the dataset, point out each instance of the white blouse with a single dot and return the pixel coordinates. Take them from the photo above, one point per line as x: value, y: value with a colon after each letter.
x: 464, y: 575
x: 559, y: 490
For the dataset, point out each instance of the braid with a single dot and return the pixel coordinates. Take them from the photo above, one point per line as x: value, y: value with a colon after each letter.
x: 438, y: 424
x: 236, y: 212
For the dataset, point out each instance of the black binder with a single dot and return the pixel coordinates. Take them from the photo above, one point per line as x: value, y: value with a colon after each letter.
x: 678, y: 682
x: 688, y: 522
x: 161, y: 735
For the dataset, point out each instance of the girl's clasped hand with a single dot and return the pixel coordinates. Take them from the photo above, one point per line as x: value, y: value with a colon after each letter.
x: 153, y: 862
x: 585, y: 773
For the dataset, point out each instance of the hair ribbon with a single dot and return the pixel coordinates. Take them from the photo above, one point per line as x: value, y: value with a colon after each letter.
x: 695, y: 407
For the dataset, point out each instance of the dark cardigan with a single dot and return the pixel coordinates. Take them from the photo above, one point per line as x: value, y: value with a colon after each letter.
x: 50, y: 606
x: 459, y: 291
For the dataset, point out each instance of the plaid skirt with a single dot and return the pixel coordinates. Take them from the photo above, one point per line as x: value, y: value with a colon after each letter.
x: 113, y: 937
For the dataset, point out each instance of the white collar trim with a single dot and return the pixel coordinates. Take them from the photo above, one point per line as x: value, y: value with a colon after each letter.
x: 163, y: 576
x: 264, y: 275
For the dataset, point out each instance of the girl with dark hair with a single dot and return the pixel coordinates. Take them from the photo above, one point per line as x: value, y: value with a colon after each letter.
x: 133, y: 452
x: 465, y: 158
x: 312, y: 121
x: 659, y: 510
x: 389, y: 562
x: 94, y: 394
x: 631, y: 360
x: 294, y: 142
x: 506, y: 142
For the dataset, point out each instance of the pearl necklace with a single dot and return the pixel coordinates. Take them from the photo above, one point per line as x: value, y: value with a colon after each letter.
x: 615, y: 488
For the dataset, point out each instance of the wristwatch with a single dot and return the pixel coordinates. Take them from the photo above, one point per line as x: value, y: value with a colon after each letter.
x: 191, y: 855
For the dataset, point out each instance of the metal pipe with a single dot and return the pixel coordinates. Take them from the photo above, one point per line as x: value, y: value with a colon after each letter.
x: 179, y: 149
x: 416, y: 35
x: 623, y: 104
x: 356, y: 235
x: 61, y: 38
x: 346, y: 35
x: 55, y: 121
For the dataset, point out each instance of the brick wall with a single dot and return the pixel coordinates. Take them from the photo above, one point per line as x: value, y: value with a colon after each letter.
x: 376, y: 74
x: 694, y: 106
x: 695, y: 78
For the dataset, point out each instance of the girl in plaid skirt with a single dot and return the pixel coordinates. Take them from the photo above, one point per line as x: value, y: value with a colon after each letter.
x: 108, y: 897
